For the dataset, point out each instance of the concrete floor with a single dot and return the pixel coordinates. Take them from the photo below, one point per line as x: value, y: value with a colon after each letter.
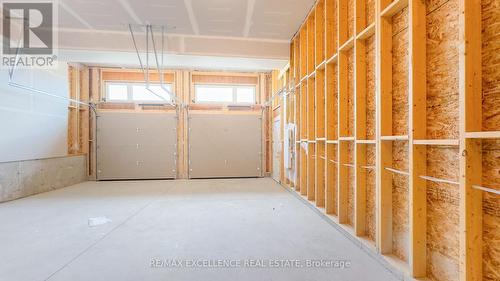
x: 47, y: 236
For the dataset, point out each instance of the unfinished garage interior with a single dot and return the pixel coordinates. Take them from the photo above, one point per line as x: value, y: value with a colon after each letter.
x: 250, y: 140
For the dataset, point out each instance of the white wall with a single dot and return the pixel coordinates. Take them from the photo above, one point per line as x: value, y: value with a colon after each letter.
x: 32, y: 125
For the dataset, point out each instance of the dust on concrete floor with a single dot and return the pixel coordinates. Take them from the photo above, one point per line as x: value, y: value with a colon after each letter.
x: 47, y: 236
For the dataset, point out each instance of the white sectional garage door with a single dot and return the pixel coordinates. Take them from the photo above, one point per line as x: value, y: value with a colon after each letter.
x: 224, y: 146
x: 133, y: 145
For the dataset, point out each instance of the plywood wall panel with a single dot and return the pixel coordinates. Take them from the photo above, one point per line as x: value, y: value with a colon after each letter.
x: 351, y: 187
x: 400, y: 203
x: 331, y: 27
x: 442, y: 70
x: 491, y: 64
x: 400, y: 73
x: 371, y: 207
x: 449, y: 107
x: 350, y: 92
x: 332, y: 178
x: 491, y: 210
x: 442, y: 214
x: 350, y: 18
x: 490, y: 13
x: 369, y: 12
x: 370, y: 88
x: 332, y: 102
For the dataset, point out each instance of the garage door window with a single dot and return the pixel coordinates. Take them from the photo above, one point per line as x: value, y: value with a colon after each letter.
x: 137, y: 92
x: 224, y: 94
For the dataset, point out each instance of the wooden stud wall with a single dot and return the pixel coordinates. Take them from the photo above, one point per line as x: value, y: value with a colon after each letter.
x: 78, y: 115
x: 73, y: 124
x: 398, y: 121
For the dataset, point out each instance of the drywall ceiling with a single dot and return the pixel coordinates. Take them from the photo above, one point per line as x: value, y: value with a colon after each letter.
x: 269, y: 19
x: 236, y: 28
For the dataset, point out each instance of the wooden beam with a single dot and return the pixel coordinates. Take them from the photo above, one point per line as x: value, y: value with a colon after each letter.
x: 393, y: 8
x: 394, y: 138
x: 320, y: 137
x: 360, y: 122
x: 470, y: 88
x: 311, y: 109
x: 360, y: 192
x: 347, y: 45
x: 342, y: 196
x: 482, y: 135
x: 443, y: 142
x: 320, y: 174
x: 311, y: 171
x: 84, y: 112
x: 367, y: 32
x: 383, y: 58
x: 417, y: 129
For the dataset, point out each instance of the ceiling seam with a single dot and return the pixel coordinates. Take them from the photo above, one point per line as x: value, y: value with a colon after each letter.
x: 248, y: 20
x: 192, y: 18
x: 75, y: 15
x: 126, y: 5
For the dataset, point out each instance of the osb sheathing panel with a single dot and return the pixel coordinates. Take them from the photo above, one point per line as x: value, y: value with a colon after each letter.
x: 491, y: 64
x: 400, y: 73
x: 370, y: 193
x: 350, y: 184
x: 491, y: 210
x: 350, y: 18
x: 442, y: 214
x: 369, y: 11
x: 442, y: 69
x: 350, y: 92
x: 400, y: 211
x: 370, y: 88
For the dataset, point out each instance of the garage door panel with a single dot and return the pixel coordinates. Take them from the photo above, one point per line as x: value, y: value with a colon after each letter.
x: 121, y: 128
x: 118, y: 162
x: 136, y: 145
x: 224, y: 145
